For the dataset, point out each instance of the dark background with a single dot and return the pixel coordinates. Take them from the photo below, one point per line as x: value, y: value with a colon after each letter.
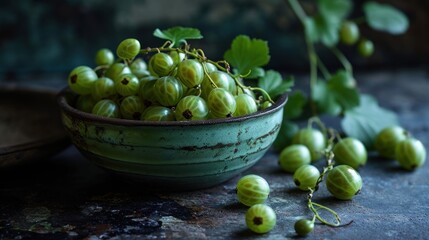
x: 39, y: 38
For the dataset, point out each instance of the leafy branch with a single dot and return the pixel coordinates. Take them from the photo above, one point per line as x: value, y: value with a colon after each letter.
x: 336, y: 93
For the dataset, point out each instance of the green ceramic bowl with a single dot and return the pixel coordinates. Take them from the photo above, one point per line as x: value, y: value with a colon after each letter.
x: 176, y: 155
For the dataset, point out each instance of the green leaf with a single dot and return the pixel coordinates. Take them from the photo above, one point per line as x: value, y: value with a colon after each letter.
x: 336, y: 10
x: 344, y: 94
x: 272, y: 82
x: 256, y: 72
x: 295, y: 105
x: 286, y: 132
x: 336, y: 95
x: 367, y: 120
x: 328, y: 30
x: 178, y: 35
x: 324, y: 27
x: 321, y: 29
x: 325, y: 100
x: 344, y: 78
x: 385, y: 18
x: 246, y: 54
x: 311, y: 30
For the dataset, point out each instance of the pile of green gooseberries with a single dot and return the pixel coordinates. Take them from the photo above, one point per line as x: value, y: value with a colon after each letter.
x: 309, y: 145
x: 344, y: 158
x: 343, y: 181
x: 350, y: 35
x: 175, y: 84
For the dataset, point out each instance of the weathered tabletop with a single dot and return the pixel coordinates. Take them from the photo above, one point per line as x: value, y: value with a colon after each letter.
x: 66, y: 197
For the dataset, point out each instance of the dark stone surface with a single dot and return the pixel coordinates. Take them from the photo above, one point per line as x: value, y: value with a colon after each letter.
x: 66, y: 197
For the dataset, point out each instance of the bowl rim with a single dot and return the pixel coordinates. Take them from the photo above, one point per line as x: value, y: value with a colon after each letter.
x: 67, y: 108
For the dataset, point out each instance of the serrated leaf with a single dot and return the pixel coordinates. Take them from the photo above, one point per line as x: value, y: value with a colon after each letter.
x: 384, y: 17
x: 178, y: 35
x: 295, y: 105
x: 336, y: 10
x: 367, y: 120
x: 286, y: 132
x: 246, y: 54
x: 274, y: 84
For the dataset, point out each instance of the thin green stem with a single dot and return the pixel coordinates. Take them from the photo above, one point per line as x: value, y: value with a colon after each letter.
x: 314, y: 218
x: 297, y: 9
x: 323, y: 69
x: 320, y: 124
x: 242, y: 86
x: 170, y: 44
x: 315, y: 207
x: 342, y: 58
x: 264, y: 93
x: 335, y: 214
x: 206, y: 72
x: 100, y: 67
x: 312, y: 56
x: 313, y: 62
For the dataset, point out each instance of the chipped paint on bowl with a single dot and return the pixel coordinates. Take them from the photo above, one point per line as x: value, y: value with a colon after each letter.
x: 177, y: 155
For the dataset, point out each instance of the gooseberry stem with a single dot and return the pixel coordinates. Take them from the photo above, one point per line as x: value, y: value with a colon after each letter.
x: 311, y: 206
x: 206, y: 72
x: 320, y: 124
x: 329, y: 156
x: 312, y: 55
x: 100, y: 67
x: 344, y: 61
x: 325, y: 72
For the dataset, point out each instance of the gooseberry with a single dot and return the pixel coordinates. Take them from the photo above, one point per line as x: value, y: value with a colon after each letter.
x: 252, y: 189
x: 410, y: 153
x: 387, y: 139
x: 350, y: 151
x: 260, y: 218
x: 365, y: 48
x: 306, y: 177
x: 344, y: 182
x: 313, y: 139
x: 304, y: 227
x: 349, y: 33
x: 293, y: 157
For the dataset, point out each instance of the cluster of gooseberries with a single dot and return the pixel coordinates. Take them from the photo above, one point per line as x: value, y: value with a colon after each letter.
x: 350, y: 35
x: 397, y: 143
x: 344, y: 157
x: 175, y: 84
x: 342, y: 181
